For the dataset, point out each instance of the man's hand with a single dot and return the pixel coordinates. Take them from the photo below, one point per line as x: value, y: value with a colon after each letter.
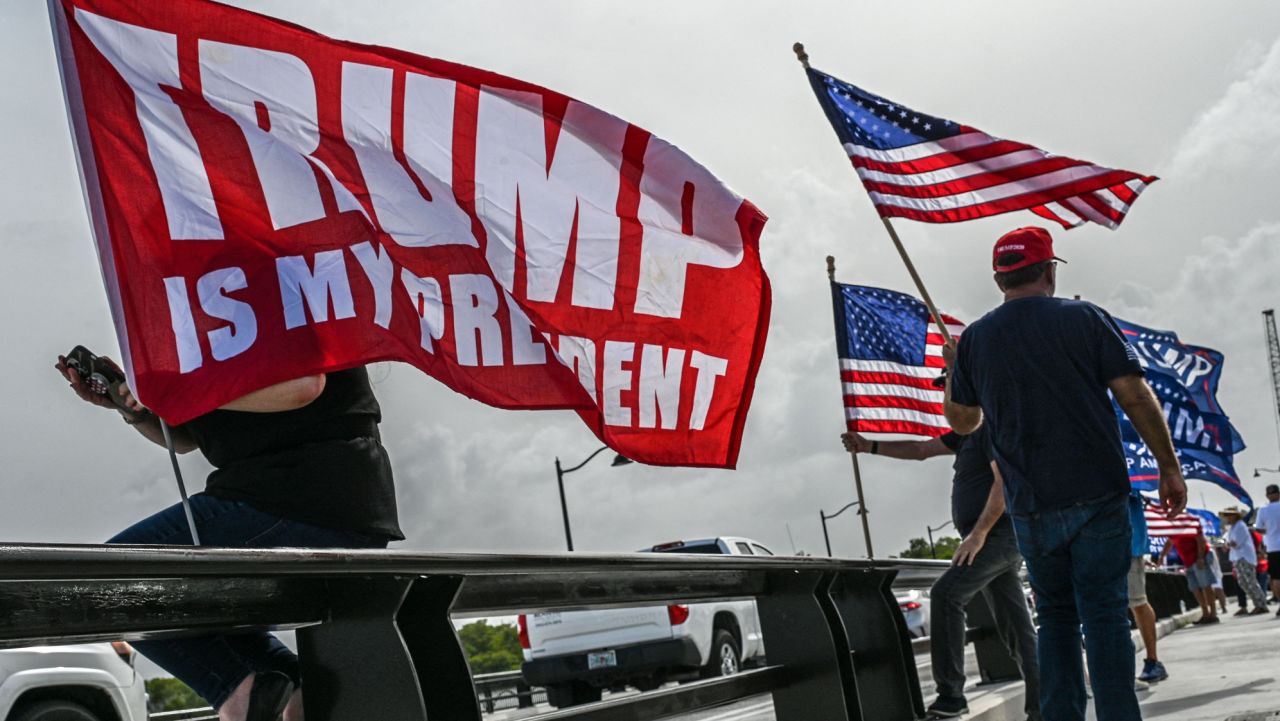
x: 1173, y: 491
x: 969, y: 549
x: 855, y: 443
x: 949, y: 352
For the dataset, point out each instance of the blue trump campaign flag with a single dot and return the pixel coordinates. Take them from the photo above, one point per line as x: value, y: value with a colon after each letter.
x: 1185, y: 380
x: 1193, y: 370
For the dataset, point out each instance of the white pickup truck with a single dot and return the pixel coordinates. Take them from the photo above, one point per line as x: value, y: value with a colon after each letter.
x: 578, y: 654
x: 80, y: 682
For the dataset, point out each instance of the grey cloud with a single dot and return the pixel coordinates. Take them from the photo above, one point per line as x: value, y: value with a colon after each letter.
x: 1133, y: 84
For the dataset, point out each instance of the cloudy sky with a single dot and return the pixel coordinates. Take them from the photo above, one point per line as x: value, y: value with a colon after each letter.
x: 1182, y: 90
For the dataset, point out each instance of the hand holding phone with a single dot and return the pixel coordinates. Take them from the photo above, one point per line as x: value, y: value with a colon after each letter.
x: 97, y: 379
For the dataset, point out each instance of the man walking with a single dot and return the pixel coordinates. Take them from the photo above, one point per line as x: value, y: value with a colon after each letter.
x: 1244, y: 560
x: 1268, y: 521
x: 1036, y: 370
x: 986, y: 562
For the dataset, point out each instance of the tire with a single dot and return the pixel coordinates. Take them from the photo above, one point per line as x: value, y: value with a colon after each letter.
x: 55, y: 711
x: 725, y: 658
x: 574, y: 693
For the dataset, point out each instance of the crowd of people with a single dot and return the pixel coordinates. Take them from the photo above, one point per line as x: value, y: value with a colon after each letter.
x: 1040, y: 478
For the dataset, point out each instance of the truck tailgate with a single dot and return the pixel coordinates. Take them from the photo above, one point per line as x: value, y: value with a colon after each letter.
x: 559, y: 633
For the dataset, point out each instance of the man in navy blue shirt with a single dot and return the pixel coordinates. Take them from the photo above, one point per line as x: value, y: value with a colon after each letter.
x: 986, y: 562
x: 1036, y: 370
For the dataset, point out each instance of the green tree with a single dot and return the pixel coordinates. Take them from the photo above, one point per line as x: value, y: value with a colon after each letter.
x: 491, y: 649
x: 170, y: 694
x: 944, y: 546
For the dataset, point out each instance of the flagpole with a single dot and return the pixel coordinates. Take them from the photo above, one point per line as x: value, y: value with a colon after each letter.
x: 857, y: 472
x: 803, y: 57
x: 924, y: 293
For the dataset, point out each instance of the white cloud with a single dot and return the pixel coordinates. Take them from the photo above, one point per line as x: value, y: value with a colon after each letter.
x: 1240, y: 132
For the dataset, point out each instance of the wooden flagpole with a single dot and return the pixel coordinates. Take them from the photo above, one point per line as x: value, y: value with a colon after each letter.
x: 803, y: 57
x: 857, y: 472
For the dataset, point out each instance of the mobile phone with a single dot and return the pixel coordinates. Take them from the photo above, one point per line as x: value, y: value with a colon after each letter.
x: 101, y: 377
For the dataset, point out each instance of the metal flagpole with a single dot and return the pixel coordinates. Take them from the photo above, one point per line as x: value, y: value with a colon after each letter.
x: 857, y: 472
x: 803, y: 57
x: 182, y: 487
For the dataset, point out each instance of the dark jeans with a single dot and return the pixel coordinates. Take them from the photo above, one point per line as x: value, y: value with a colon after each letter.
x: 215, y: 665
x: 1078, y: 559
x: 994, y: 574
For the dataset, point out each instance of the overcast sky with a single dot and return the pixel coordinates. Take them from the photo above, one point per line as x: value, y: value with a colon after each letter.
x: 1178, y: 89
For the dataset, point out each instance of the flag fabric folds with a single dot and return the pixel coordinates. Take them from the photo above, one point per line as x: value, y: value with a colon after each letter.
x: 1185, y: 380
x: 890, y: 354
x: 270, y: 203
x: 1159, y: 526
x: 926, y: 168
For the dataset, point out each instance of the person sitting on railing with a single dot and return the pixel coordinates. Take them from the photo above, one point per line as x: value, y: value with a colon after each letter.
x: 987, y: 562
x: 297, y: 464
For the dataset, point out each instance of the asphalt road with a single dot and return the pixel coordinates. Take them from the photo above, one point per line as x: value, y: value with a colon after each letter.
x: 756, y: 708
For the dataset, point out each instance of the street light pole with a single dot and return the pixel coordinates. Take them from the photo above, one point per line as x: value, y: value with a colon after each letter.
x: 933, y: 552
x: 619, y: 460
x: 823, y: 515
x: 564, y: 505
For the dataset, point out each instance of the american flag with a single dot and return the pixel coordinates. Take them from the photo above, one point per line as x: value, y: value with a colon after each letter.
x: 934, y: 170
x: 1184, y: 524
x: 890, y: 354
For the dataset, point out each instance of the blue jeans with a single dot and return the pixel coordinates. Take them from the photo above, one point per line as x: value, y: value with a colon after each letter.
x: 214, y: 666
x: 1078, y: 560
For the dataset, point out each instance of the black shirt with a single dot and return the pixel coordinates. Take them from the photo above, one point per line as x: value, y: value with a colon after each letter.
x: 321, y: 464
x: 971, y: 484
x: 1039, y: 368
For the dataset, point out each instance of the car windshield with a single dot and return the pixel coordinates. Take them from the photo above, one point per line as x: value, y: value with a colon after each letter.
x: 705, y: 547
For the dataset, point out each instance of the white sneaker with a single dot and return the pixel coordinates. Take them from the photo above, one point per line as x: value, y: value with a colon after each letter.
x: 1139, y: 685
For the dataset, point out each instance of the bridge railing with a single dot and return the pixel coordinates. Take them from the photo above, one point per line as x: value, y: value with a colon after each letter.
x: 376, y: 639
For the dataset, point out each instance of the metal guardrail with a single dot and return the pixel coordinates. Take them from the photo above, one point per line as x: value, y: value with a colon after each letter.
x: 491, y: 688
x: 376, y: 639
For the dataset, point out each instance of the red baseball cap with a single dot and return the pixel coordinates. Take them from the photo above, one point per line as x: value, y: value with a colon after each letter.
x: 1032, y: 243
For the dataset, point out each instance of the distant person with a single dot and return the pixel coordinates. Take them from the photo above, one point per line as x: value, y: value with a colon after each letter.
x: 1216, y: 553
x: 1268, y: 521
x: 1194, y: 553
x: 296, y: 464
x: 1153, y: 671
x: 1244, y: 561
x: 1036, y: 370
x: 986, y: 562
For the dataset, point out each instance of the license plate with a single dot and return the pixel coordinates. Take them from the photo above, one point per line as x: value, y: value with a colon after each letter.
x: 602, y: 659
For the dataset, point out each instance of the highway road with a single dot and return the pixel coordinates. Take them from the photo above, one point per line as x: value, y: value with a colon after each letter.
x: 756, y: 708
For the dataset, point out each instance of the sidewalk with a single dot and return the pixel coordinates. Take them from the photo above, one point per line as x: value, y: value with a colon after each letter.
x: 1218, y: 672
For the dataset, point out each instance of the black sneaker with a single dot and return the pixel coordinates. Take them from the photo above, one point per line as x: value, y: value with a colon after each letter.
x: 947, y: 707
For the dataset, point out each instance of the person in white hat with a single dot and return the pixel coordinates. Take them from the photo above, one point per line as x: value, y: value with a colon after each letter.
x: 1244, y: 559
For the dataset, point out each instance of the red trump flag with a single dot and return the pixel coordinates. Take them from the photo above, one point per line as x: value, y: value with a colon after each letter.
x: 269, y: 202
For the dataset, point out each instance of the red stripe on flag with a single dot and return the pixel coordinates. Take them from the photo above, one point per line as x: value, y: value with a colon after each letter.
x: 942, y: 160
x: 978, y: 181
x: 904, y: 427
x: 1047, y: 214
x: 912, y: 404
x: 1004, y: 205
x: 892, y: 379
